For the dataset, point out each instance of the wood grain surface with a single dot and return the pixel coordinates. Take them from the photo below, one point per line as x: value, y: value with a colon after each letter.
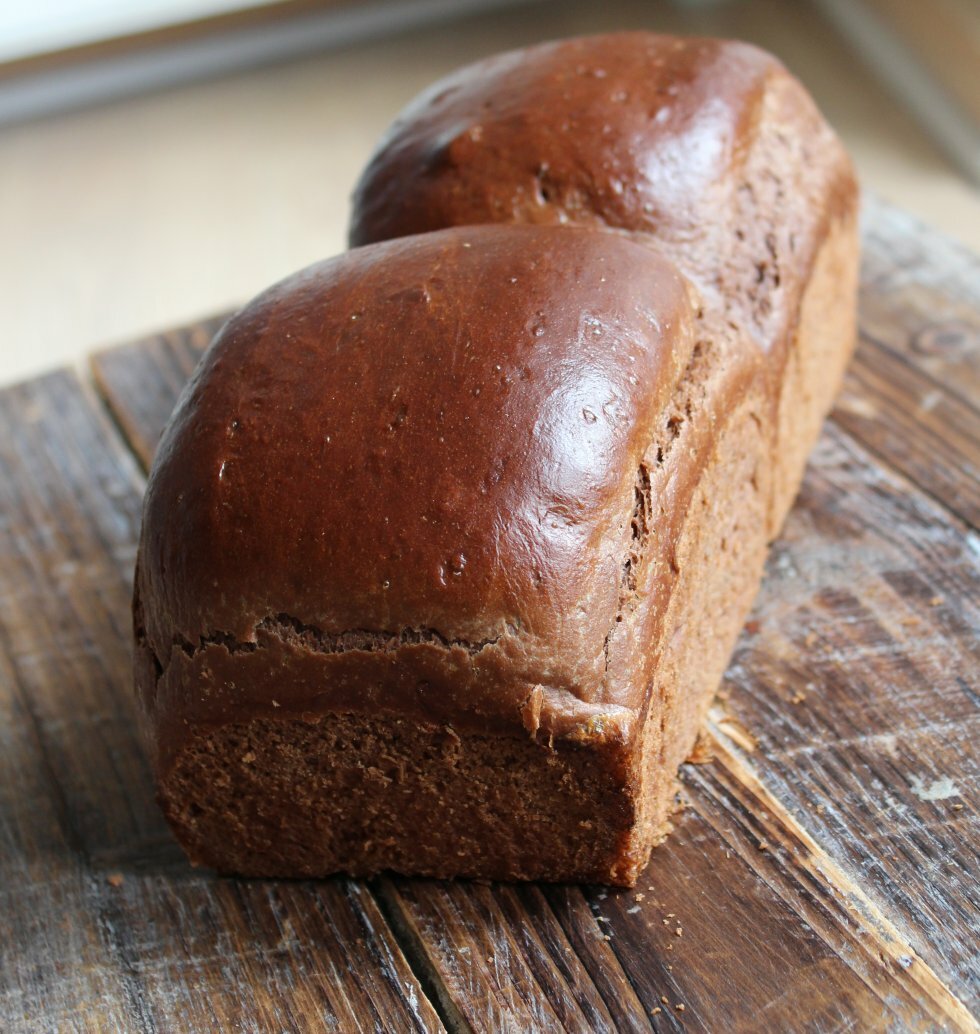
x: 822, y: 874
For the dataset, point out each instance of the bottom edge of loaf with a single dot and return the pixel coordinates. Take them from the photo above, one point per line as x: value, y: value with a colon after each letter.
x: 346, y: 793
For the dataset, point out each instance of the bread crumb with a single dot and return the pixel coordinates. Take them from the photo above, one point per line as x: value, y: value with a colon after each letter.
x: 115, y: 879
x: 678, y: 932
x: 640, y: 896
x: 737, y: 733
x: 679, y: 1007
x: 665, y: 999
x: 936, y: 601
x: 763, y: 846
x: 248, y: 758
x: 702, y: 753
x: 957, y: 807
x: 798, y: 698
x: 656, y: 1010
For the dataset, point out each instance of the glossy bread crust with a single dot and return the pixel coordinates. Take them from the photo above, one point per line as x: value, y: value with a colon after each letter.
x: 708, y: 146
x: 416, y: 462
x: 455, y: 533
x: 631, y: 130
x: 708, y: 150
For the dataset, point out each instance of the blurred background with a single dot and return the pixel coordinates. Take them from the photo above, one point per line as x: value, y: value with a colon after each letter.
x: 164, y: 160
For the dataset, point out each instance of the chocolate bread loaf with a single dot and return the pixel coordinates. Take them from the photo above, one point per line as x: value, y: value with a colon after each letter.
x: 448, y: 540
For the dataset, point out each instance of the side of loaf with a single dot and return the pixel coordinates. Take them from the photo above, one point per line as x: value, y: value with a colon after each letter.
x: 447, y: 544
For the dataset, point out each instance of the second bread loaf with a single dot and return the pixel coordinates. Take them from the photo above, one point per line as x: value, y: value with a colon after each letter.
x: 707, y: 149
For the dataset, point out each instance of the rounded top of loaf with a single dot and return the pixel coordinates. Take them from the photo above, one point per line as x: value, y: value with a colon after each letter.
x: 709, y: 145
x: 436, y: 437
x: 629, y: 130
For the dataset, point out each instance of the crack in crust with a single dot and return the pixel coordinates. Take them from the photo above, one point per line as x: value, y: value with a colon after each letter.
x: 639, y: 530
x: 677, y: 413
x: 293, y: 631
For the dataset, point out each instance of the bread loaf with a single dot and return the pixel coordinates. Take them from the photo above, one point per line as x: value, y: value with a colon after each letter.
x: 448, y: 540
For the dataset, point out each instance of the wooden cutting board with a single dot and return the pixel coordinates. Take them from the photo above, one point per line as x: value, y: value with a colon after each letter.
x: 822, y: 876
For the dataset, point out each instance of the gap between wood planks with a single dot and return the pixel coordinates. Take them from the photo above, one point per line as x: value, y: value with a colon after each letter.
x: 412, y: 944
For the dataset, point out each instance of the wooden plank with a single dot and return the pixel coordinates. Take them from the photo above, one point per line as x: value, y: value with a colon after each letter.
x: 501, y: 960
x: 912, y: 394
x: 106, y: 927
x: 858, y: 679
x: 41, y: 883
x: 915, y: 425
x: 920, y: 297
x: 799, y: 865
x: 140, y: 406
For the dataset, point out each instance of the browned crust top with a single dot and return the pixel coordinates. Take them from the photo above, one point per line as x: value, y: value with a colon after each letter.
x: 429, y: 444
